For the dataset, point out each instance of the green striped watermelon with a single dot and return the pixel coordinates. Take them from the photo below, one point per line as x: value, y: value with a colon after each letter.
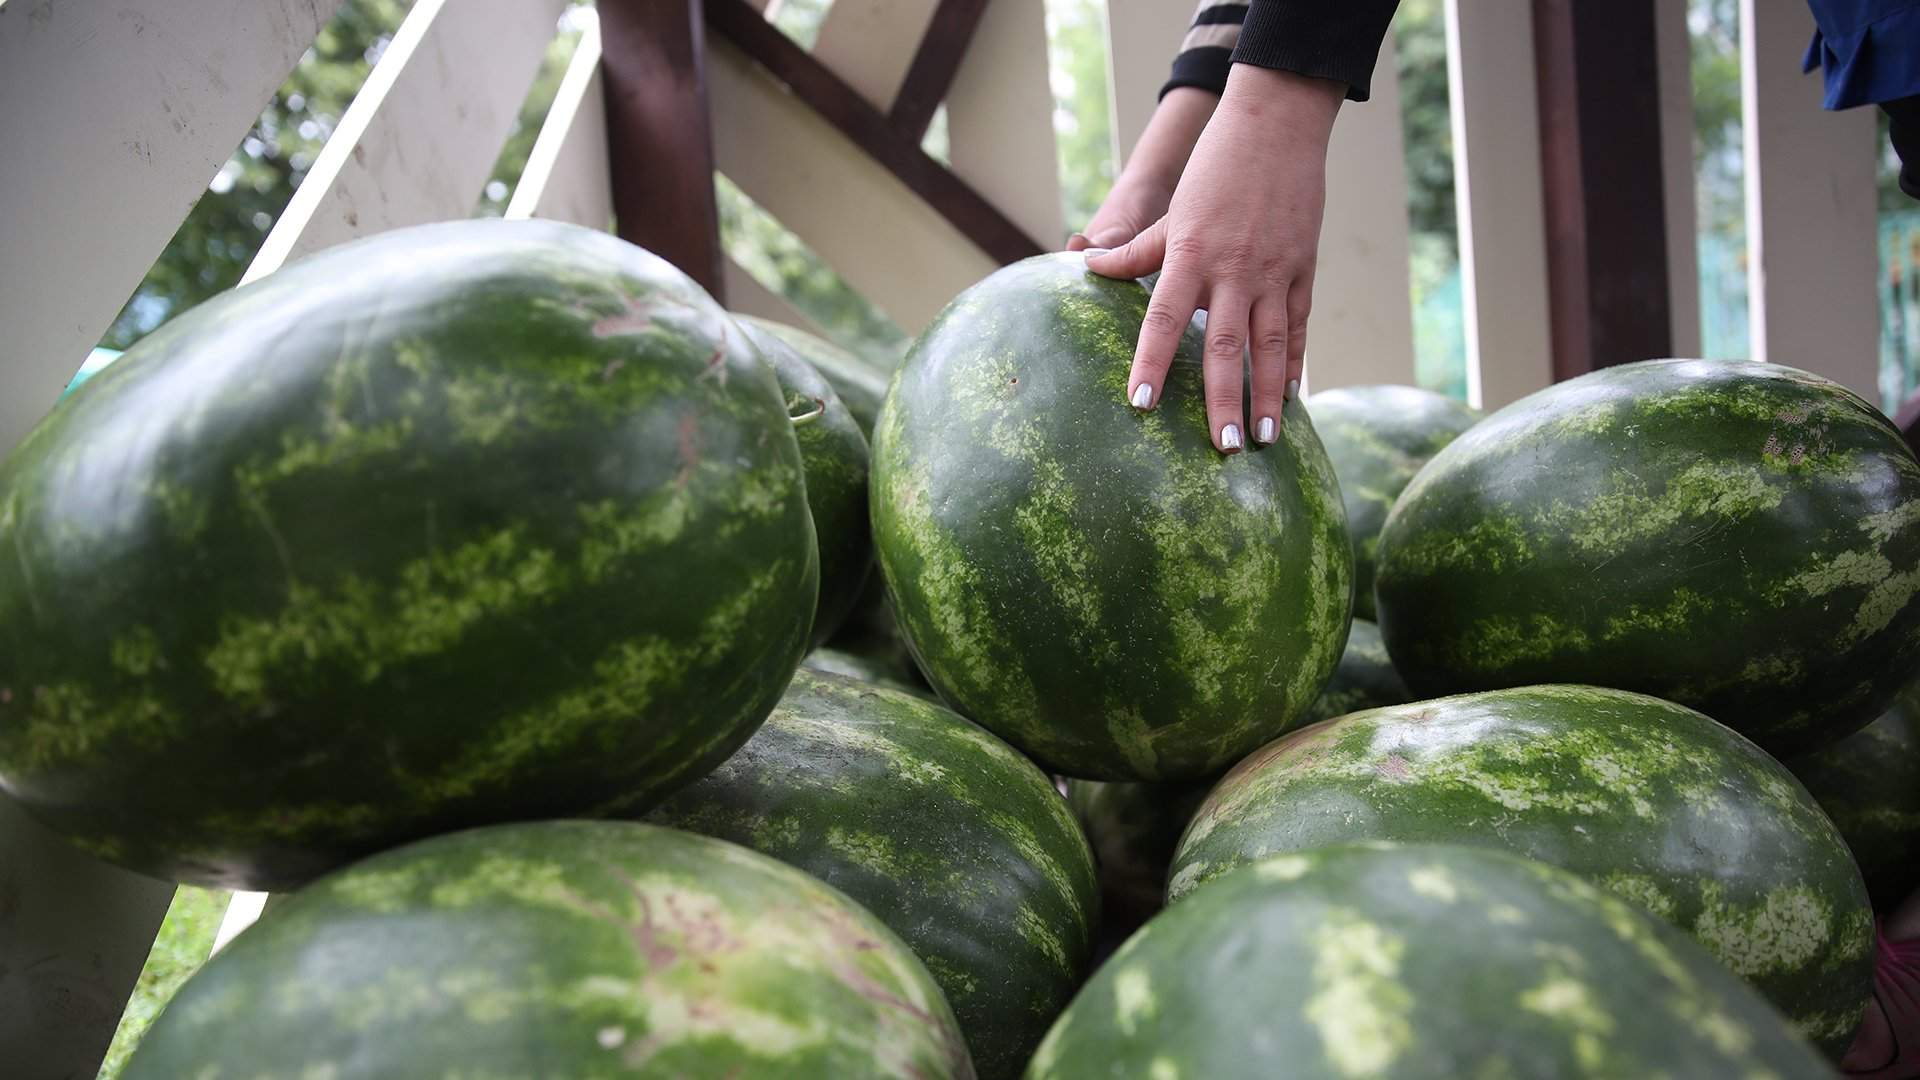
x: 1377, y: 437
x: 861, y: 386
x: 1740, y: 538
x: 1413, y: 962
x: 943, y: 831
x: 834, y: 453
x: 459, y: 524
x: 1096, y: 585
x: 561, y: 949
x: 1869, y: 783
x: 1365, y: 678
x: 1647, y: 799
x: 874, y: 670
x: 1133, y: 828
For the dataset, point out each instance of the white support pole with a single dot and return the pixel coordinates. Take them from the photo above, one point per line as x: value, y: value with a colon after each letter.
x: 1675, y: 48
x: 1497, y: 189
x: 1142, y: 38
x: 567, y: 177
x: 870, y: 44
x: 422, y: 135
x: 116, y: 117
x: 1811, y: 208
x: 1000, y: 119
x: 872, y: 229
x: 1362, y: 326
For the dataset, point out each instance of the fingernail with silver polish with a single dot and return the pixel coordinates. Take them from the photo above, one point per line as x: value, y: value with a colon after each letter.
x: 1091, y: 252
x: 1264, y: 433
x: 1293, y: 389
x: 1143, y: 395
x: 1230, y: 437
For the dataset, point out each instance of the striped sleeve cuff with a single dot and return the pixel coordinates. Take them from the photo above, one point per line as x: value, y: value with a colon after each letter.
x: 1206, y: 53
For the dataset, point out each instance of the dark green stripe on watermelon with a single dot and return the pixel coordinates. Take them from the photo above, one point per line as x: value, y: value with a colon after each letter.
x: 1740, y: 538
x: 1378, y: 437
x: 459, y: 524
x: 561, y: 949
x: 1414, y: 962
x: 834, y: 454
x: 1869, y: 783
x: 1365, y: 678
x: 946, y: 833
x: 861, y: 386
x: 1642, y: 797
x: 1099, y: 586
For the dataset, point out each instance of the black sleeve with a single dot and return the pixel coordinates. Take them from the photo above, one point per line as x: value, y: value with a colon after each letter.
x: 1328, y: 39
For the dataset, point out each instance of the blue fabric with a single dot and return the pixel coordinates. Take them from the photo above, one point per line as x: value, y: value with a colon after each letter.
x: 1869, y: 50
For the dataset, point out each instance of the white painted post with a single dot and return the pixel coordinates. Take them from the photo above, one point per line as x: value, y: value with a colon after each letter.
x: 1497, y: 188
x: 422, y: 135
x: 1811, y: 208
x: 896, y: 250
x: 1674, y: 46
x: 567, y: 177
x: 116, y: 117
x: 870, y: 44
x: 1000, y: 119
x: 1362, y: 326
x: 1142, y: 38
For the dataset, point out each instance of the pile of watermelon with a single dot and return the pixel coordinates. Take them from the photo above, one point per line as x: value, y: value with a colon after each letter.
x: 607, y: 684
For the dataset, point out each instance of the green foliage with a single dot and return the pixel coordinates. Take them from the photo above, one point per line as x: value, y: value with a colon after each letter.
x: 1082, y: 115
x: 1421, y: 41
x: 186, y: 936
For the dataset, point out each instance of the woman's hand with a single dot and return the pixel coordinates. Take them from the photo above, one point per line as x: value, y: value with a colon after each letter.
x: 1141, y: 194
x: 1240, y: 239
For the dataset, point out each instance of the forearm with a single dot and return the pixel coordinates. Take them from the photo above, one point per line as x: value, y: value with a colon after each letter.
x: 1162, y: 152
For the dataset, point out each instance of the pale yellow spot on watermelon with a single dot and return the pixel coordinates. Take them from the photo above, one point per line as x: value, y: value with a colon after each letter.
x: 1186, y: 878
x: 1888, y: 592
x: 1500, y: 641
x: 1359, y: 1006
x: 1132, y: 999
x: 1787, y: 929
x: 873, y: 851
x: 1053, y: 537
x: 1641, y: 890
x: 1673, y: 617
x: 1728, y: 1035
x: 1037, y: 933
x: 1434, y: 882
x: 1163, y: 1068
x: 1883, y: 525
x: 1568, y: 1002
x: 1281, y: 867
x: 1711, y: 491
x: 1506, y: 915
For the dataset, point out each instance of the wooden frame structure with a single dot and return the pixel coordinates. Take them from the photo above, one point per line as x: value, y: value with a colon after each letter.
x: 1572, y: 166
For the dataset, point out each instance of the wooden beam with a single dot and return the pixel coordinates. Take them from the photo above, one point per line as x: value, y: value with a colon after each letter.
x: 116, y: 117
x: 1597, y: 67
x: 659, y: 135
x: 821, y: 90
x: 935, y: 63
x: 422, y: 134
x: 567, y: 177
x: 1000, y: 136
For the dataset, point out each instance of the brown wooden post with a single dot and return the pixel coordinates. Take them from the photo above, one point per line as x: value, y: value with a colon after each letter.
x: 935, y: 63
x: 1597, y: 67
x: 660, y: 133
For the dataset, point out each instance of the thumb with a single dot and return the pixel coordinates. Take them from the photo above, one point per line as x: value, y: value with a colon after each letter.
x: 1141, y: 256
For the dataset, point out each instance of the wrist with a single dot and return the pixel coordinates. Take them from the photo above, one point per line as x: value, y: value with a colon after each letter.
x: 1300, y: 106
x: 1161, y: 154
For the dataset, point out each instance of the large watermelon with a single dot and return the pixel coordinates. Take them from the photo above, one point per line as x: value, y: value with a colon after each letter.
x: 1740, y: 538
x: 861, y: 386
x: 1377, y: 437
x: 1410, y: 962
x: 1642, y: 797
x: 874, y: 670
x: 954, y: 840
x: 459, y: 524
x: 1097, y: 585
x: 834, y: 453
x: 1365, y: 678
x: 1133, y: 828
x: 1869, y: 783
x: 561, y: 949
